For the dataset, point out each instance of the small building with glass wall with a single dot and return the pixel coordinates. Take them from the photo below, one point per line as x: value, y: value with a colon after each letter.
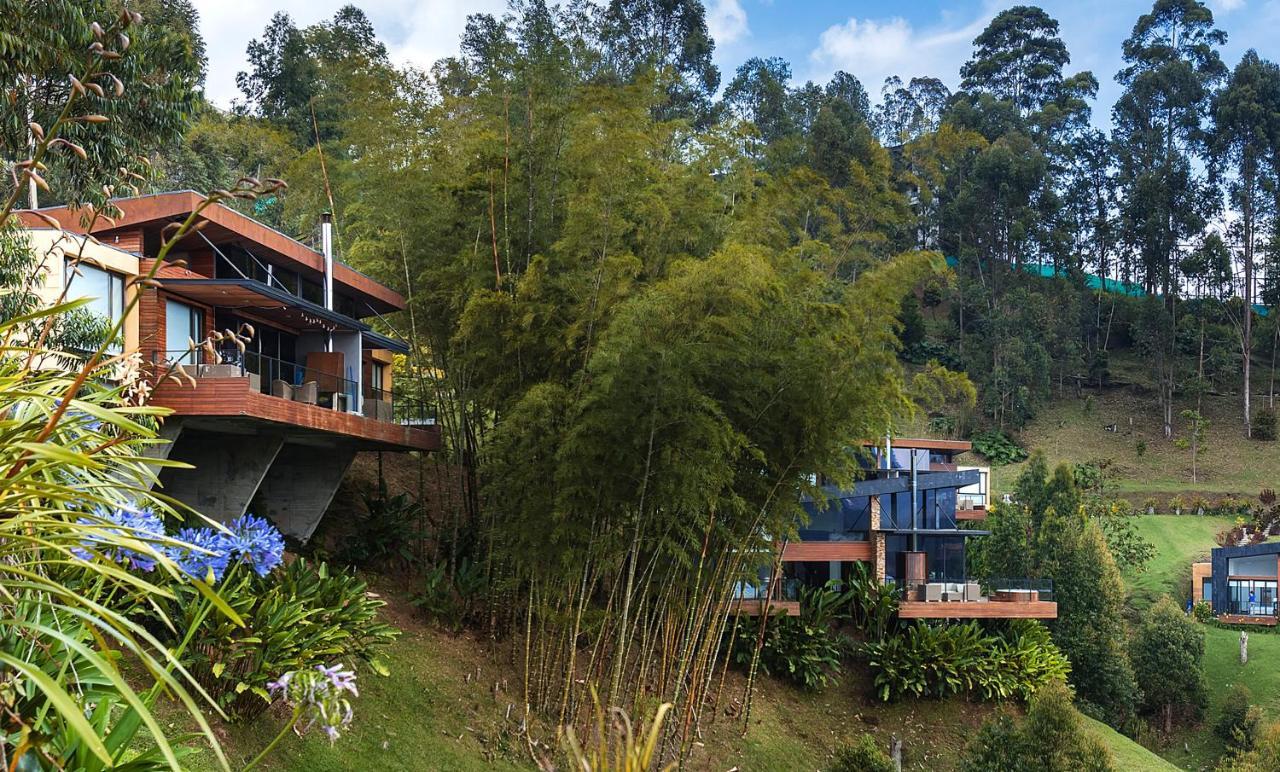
x: 1240, y: 583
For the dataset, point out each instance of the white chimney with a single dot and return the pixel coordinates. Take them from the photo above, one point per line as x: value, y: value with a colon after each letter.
x: 326, y: 246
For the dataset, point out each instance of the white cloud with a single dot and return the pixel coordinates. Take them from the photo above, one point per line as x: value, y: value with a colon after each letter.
x: 416, y: 32
x: 727, y: 21
x: 1227, y: 6
x: 872, y: 50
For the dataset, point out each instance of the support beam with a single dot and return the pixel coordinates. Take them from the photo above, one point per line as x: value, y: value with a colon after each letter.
x: 299, y: 486
x: 228, y: 470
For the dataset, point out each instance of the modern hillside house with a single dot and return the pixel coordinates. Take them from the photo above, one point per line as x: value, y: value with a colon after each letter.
x: 271, y: 428
x: 907, y: 519
x: 1240, y: 583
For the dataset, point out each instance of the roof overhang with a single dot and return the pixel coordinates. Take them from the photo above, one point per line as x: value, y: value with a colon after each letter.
x: 222, y: 223
x: 270, y: 303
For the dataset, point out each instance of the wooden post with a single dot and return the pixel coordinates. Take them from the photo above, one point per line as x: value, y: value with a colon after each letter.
x: 895, y: 752
x: 1244, y: 648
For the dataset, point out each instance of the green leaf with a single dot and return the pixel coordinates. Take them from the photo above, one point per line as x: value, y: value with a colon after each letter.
x: 218, y: 602
x: 63, y: 703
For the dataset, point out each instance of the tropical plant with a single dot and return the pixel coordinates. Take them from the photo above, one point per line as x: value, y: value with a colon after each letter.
x: 873, y: 605
x: 806, y: 650
x: 383, y: 535
x: 998, y: 448
x: 944, y: 660
x: 294, y: 619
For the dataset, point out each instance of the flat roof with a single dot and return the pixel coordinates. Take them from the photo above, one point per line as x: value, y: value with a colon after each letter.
x: 957, y: 446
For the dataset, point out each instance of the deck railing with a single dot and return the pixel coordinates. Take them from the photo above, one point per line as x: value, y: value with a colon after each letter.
x: 276, y: 376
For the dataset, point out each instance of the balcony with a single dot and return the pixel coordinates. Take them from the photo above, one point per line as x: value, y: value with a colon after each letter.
x: 264, y: 388
x: 766, y: 596
x: 991, y: 599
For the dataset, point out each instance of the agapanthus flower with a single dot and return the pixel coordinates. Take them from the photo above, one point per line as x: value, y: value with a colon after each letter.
x: 256, y: 542
x: 139, y: 524
x: 319, y: 698
x: 209, y: 552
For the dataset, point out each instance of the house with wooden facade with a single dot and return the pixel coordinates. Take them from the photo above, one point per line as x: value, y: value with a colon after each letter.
x: 271, y: 425
x: 910, y: 518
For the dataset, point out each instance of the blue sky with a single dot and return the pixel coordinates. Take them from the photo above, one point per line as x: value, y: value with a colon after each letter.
x: 869, y: 39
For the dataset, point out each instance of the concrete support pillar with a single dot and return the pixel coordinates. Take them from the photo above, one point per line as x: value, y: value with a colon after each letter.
x: 168, y: 435
x: 299, y: 486
x: 228, y: 470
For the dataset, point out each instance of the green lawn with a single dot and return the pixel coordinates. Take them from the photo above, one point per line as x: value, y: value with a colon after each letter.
x: 1127, y: 754
x: 1179, y: 540
x: 426, y: 715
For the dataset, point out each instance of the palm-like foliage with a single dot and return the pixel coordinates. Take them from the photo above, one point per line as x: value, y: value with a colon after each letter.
x: 70, y: 444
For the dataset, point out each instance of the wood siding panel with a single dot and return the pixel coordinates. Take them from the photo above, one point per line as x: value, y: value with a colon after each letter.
x: 971, y: 514
x: 1040, y: 609
x: 802, y: 551
x: 233, y: 397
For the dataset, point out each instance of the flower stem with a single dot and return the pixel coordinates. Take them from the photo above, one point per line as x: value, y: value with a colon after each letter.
x: 297, y: 713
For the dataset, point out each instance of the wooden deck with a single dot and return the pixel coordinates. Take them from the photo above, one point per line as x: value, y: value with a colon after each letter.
x: 789, y: 608
x: 819, y: 551
x: 232, y: 397
x: 971, y: 514
x: 989, y: 609
x: 1240, y: 619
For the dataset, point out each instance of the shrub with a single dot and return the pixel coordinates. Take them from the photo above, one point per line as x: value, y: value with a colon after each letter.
x: 1167, y: 652
x: 1198, y: 505
x: 1177, y: 504
x: 1052, y: 738
x: 1265, y: 756
x: 1264, y: 424
x: 1140, y: 448
x: 452, y: 602
x: 998, y: 448
x: 864, y: 755
x: 944, y: 660
x: 295, y: 619
x: 383, y: 535
x: 1150, y: 505
x: 1202, y: 611
x: 1239, y: 721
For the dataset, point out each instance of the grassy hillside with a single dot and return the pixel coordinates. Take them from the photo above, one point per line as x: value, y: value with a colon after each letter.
x: 445, y: 708
x: 1072, y: 430
x: 1179, y: 540
x: 1128, y: 755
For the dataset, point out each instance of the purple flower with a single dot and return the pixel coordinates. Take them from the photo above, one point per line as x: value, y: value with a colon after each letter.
x: 250, y: 540
x: 209, y: 552
x: 138, y: 524
x: 319, y: 694
x: 256, y: 542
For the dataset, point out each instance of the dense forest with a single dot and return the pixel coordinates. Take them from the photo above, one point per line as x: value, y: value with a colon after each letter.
x: 653, y: 302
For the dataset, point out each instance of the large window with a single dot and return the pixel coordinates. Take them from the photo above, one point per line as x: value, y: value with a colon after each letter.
x: 1252, y: 597
x: 104, y: 289
x: 182, y: 325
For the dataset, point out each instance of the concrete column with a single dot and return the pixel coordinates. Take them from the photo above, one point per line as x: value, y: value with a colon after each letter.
x: 299, y: 486
x: 169, y: 432
x: 228, y: 470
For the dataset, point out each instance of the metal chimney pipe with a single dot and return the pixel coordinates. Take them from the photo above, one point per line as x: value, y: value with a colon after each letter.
x: 326, y: 247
